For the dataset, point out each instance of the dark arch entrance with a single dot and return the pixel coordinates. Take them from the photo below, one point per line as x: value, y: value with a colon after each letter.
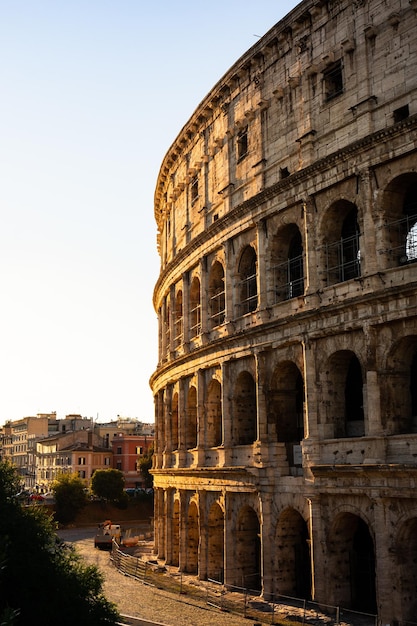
x: 292, y: 566
x: 248, y: 550
x: 352, y: 564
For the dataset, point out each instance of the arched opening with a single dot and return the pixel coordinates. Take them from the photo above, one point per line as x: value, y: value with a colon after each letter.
x: 216, y: 295
x: 288, y: 264
x: 248, y: 550
x: 286, y: 409
x: 191, y: 429
x: 292, y: 562
x: 248, y: 290
x: 342, y: 247
x: 215, y: 566
x: 343, y: 395
x: 178, y: 328
x: 352, y: 564
x: 244, y: 410
x: 191, y: 560
x: 195, y: 308
x: 406, y: 551
x: 399, y: 388
x: 400, y: 203
x: 174, y: 421
x: 175, y: 534
x: 214, y: 414
x: 354, y: 415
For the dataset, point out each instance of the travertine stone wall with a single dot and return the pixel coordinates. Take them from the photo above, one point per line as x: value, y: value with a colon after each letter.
x: 286, y: 385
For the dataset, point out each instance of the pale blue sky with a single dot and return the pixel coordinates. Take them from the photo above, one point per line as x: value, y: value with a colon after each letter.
x: 93, y: 92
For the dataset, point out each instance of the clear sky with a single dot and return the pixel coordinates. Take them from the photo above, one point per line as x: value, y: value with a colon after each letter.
x: 93, y: 93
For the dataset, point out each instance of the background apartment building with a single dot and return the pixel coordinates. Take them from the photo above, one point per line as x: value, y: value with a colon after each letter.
x: 286, y: 385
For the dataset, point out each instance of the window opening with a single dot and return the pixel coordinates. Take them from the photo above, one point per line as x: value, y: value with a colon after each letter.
x: 248, y: 283
x: 354, y: 415
x: 217, y: 296
x: 289, y: 275
x: 195, y: 308
x: 401, y: 114
x: 405, y: 229
x: 194, y: 188
x: 333, y: 80
x: 178, y: 320
x: 343, y: 256
x: 242, y: 144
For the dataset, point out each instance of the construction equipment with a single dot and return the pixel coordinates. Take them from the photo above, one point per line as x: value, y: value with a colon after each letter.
x: 105, y: 535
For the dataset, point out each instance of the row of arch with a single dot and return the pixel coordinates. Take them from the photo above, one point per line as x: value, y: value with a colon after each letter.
x: 199, y: 545
x: 340, y: 258
x: 231, y: 416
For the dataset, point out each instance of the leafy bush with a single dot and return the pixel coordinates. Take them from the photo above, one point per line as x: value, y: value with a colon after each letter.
x: 42, y: 580
x: 70, y: 497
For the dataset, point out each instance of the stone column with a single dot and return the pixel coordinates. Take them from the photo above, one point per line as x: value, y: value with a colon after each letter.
x: 262, y: 273
x: 183, y: 531
x: 185, y: 310
x: 182, y: 424
x: 229, y: 540
x: 203, y: 535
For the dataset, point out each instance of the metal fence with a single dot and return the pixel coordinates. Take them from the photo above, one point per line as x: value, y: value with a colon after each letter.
x: 278, y: 609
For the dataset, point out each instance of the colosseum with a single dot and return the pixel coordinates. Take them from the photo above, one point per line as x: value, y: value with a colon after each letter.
x: 286, y: 384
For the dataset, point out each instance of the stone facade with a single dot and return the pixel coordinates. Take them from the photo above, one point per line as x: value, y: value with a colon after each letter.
x: 286, y: 386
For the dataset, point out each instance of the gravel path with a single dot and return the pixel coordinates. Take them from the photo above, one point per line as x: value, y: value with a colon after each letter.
x: 139, y: 600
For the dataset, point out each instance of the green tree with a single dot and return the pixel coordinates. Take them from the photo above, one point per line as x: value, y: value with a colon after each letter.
x: 145, y: 465
x: 69, y: 496
x: 43, y: 580
x: 108, y: 484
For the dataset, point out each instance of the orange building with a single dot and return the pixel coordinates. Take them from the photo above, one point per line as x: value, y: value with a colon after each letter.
x: 127, y: 449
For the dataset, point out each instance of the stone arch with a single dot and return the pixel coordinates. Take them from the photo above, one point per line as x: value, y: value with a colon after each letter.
x: 215, y: 566
x: 340, y: 233
x: 244, y: 410
x: 287, y: 263
x: 216, y: 295
x: 400, y: 211
x: 193, y: 537
x: 292, y: 559
x: 343, y: 395
x: 399, y: 391
x: 248, y: 549
x: 248, y: 286
x: 351, y: 563
x: 191, y: 426
x: 406, y: 556
x: 214, y: 414
x: 286, y: 403
x: 195, y: 307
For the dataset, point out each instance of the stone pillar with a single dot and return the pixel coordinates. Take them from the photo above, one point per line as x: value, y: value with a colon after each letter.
x: 203, y: 535
x: 388, y: 590
x: 229, y: 540
x: 204, y: 300
x: 183, y: 531
x: 227, y: 394
x: 319, y: 582
x: 161, y: 517
x: 267, y: 540
x: 262, y: 273
x: 367, y: 227
x: 201, y: 421
x: 167, y: 428
x: 261, y: 408
x: 182, y: 424
x: 185, y: 310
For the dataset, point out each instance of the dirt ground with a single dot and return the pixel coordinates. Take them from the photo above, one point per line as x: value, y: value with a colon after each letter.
x: 139, y: 600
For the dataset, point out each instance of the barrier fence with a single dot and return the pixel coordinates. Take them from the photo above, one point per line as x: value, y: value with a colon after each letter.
x: 278, y: 609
